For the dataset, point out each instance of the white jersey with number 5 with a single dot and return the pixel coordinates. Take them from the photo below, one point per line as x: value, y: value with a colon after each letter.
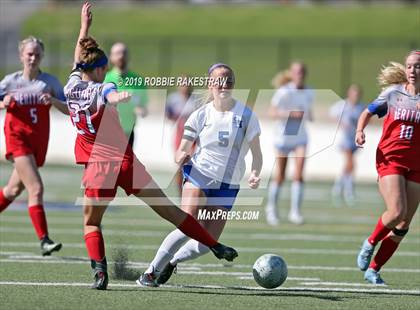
x: 223, y: 140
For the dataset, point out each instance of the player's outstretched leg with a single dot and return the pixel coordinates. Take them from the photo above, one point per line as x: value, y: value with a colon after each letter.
x: 160, y: 203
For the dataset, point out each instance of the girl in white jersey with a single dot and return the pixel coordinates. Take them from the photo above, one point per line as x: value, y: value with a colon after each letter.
x: 224, y: 130
x: 347, y: 112
x: 291, y: 107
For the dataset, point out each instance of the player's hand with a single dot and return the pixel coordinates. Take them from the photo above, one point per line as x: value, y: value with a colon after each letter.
x: 46, y: 98
x: 360, y: 138
x: 254, y: 180
x: 7, y: 101
x: 124, y: 96
x: 296, y: 114
x: 86, y: 16
x: 182, y: 157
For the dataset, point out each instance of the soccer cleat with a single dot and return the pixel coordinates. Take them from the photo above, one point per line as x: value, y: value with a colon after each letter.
x: 365, y: 255
x: 147, y: 279
x: 272, y: 221
x: 224, y: 252
x: 101, y: 280
x: 374, y: 277
x: 100, y: 274
x: 166, y: 274
x: 48, y: 246
x: 295, y: 218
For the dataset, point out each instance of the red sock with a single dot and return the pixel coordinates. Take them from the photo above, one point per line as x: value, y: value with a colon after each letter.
x: 39, y: 221
x: 95, y: 245
x: 388, y: 247
x: 380, y: 232
x: 194, y: 230
x: 4, y: 202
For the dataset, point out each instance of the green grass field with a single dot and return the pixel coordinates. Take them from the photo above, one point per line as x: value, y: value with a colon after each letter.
x: 320, y: 255
x: 256, y: 40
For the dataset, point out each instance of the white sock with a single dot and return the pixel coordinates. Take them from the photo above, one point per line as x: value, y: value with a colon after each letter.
x: 190, y: 250
x: 273, y: 196
x: 296, y: 196
x: 348, y: 185
x: 338, y: 186
x: 170, y: 245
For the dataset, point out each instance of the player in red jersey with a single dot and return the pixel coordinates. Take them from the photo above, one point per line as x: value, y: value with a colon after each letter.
x: 397, y: 161
x: 102, y: 147
x: 27, y: 96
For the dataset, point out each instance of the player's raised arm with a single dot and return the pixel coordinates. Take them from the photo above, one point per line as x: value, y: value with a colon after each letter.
x: 85, y: 23
x: 116, y: 97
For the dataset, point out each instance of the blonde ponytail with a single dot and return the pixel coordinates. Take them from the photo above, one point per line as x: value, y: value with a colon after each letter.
x: 281, y: 78
x: 392, y: 74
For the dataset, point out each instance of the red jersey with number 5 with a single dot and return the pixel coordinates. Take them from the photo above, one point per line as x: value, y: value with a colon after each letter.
x: 27, y: 122
x: 100, y: 136
x: 400, y: 141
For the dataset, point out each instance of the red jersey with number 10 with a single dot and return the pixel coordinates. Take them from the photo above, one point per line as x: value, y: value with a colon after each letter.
x: 400, y: 141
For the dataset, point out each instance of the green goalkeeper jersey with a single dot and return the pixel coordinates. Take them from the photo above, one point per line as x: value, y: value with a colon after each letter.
x: 128, y: 82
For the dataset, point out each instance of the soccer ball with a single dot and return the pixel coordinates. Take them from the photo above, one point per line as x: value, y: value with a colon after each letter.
x: 270, y: 271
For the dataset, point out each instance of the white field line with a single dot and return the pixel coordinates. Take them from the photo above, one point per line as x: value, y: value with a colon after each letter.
x: 250, y: 277
x: 329, y: 252
x: 314, y: 283
x: 314, y: 217
x: 136, y: 202
x: 84, y: 260
x: 229, y: 235
x: 373, y: 290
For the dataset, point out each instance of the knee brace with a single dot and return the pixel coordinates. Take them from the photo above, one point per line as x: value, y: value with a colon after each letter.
x: 400, y: 232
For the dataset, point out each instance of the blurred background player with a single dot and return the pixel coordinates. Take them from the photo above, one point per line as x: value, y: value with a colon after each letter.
x: 226, y: 129
x: 28, y: 95
x: 291, y: 107
x: 109, y: 161
x: 179, y: 106
x: 347, y: 113
x: 121, y: 76
x: 397, y: 160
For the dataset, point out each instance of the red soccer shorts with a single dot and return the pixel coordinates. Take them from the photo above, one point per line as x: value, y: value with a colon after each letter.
x: 22, y: 144
x: 389, y: 168
x: 101, y: 179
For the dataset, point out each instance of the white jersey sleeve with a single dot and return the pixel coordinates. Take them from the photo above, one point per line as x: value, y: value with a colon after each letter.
x: 279, y: 99
x: 337, y: 109
x: 380, y: 105
x: 194, y: 125
x: 4, y: 85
